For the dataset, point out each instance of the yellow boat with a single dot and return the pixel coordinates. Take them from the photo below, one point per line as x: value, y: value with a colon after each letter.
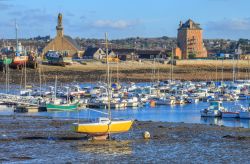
x: 103, y: 126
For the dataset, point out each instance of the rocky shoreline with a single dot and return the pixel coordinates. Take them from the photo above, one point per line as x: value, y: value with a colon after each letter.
x: 44, y: 140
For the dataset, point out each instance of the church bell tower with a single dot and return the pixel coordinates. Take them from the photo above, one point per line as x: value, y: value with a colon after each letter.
x: 59, y: 27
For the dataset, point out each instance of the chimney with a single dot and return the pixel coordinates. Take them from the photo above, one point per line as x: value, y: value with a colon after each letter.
x: 190, y: 24
x: 180, y: 25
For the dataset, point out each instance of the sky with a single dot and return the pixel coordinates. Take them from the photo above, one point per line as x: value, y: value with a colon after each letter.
x: 227, y: 19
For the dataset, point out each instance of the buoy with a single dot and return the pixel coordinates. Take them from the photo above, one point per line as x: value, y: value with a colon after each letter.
x: 146, y: 135
x: 152, y: 103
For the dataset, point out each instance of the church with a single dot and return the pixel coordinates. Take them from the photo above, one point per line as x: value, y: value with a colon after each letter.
x: 63, y: 43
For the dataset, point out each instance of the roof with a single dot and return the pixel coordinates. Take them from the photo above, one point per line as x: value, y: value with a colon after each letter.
x: 90, y: 51
x: 149, y: 52
x: 73, y: 42
x: 124, y: 50
x: 190, y: 24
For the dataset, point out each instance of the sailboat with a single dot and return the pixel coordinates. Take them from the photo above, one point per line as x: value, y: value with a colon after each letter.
x: 56, y: 105
x: 104, y: 126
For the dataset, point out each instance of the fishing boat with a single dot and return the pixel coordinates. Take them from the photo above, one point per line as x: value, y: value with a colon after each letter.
x: 214, y: 110
x: 19, y: 59
x: 104, y: 126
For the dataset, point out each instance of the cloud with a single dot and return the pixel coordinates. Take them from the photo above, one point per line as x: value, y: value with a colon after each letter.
x: 114, y: 24
x: 242, y: 24
x: 5, y: 6
x: 228, y: 28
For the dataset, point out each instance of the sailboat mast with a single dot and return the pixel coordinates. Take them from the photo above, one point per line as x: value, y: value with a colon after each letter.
x: 158, y: 73
x: 55, y: 86
x: 216, y: 76
x: 16, y: 38
x: 6, y: 78
x: 40, y: 82
x: 248, y: 69
x: 222, y: 70
x: 172, y: 68
x: 117, y: 75
x: 233, y: 69
x: 25, y: 72
x: 108, y: 76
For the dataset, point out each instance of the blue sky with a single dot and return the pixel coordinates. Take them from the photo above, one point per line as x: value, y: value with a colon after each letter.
x: 228, y: 19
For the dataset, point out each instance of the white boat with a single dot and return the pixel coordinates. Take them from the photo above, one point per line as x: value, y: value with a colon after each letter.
x: 242, y: 97
x: 133, y: 102
x: 180, y: 100
x: 245, y: 113
x: 214, y: 110
x: 234, y: 112
x: 170, y: 100
x: 230, y: 114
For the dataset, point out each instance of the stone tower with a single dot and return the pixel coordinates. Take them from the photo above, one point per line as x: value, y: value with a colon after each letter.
x: 190, y: 41
x: 59, y: 27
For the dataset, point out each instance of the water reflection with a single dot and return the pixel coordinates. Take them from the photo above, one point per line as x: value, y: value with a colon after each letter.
x: 188, y: 113
x: 211, y: 120
x: 232, y: 122
x: 114, y: 148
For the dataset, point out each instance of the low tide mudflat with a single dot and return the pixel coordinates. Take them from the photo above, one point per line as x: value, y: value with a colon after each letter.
x: 42, y: 140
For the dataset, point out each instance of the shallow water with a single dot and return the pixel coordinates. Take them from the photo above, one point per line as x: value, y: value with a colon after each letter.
x: 189, y: 113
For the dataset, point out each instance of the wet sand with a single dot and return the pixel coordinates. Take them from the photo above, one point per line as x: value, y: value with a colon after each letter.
x: 134, y: 71
x: 46, y: 140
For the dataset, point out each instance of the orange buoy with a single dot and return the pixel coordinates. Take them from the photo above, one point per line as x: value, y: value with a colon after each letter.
x: 152, y: 103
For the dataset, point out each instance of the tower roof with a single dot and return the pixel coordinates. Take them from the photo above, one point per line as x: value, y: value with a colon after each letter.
x: 190, y: 24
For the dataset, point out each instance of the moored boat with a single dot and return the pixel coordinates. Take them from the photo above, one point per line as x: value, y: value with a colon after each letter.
x: 214, y: 110
x: 245, y: 113
x: 231, y: 114
x: 61, y: 107
x: 234, y: 112
x: 103, y: 126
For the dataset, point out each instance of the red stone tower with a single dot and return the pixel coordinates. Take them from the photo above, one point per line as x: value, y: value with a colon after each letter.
x: 190, y: 41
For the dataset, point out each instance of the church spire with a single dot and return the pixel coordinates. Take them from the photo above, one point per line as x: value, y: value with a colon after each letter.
x: 59, y: 27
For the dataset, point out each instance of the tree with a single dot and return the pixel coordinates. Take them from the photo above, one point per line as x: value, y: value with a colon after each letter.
x: 192, y: 56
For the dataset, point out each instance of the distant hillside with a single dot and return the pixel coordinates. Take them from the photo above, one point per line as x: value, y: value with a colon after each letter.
x: 160, y: 43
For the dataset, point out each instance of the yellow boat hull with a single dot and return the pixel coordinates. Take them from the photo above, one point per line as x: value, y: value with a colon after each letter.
x: 103, y: 128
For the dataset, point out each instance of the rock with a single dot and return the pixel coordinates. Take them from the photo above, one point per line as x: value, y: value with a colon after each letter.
x: 146, y: 135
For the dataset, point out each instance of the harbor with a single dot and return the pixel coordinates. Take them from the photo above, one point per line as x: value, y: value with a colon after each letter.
x: 165, y: 101
x: 124, y: 82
